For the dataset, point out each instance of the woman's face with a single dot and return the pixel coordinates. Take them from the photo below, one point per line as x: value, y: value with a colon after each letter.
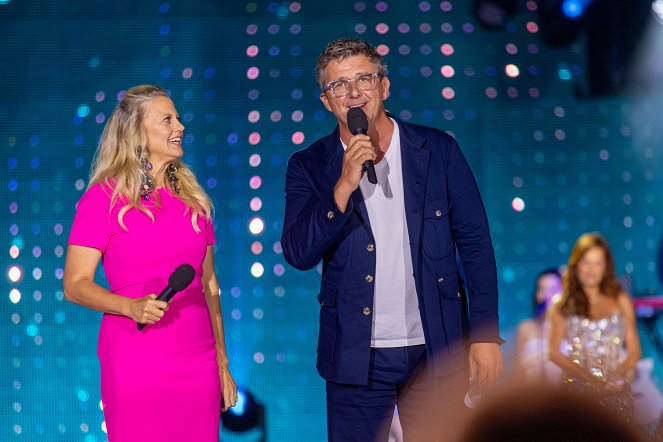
x: 547, y: 286
x: 163, y: 130
x: 591, y: 268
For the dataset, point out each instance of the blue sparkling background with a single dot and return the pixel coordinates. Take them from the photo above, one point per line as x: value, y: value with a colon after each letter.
x: 550, y: 166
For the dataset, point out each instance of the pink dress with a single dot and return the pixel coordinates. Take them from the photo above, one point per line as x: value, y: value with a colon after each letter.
x: 162, y: 383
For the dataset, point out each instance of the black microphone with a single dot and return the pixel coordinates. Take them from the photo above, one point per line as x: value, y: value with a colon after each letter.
x: 358, y: 124
x: 177, y: 281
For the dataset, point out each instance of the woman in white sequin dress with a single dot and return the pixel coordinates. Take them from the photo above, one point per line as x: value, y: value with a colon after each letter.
x: 596, y: 319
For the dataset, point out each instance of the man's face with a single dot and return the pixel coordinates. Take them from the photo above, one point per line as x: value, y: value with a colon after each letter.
x: 370, y: 101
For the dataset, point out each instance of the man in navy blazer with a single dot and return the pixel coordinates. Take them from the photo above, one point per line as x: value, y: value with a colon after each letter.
x: 397, y: 325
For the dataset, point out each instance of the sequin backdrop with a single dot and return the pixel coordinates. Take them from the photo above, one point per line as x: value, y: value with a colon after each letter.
x: 550, y: 166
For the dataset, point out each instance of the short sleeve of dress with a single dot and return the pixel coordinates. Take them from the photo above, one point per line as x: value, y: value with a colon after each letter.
x: 209, y: 232
x: 92, y: 226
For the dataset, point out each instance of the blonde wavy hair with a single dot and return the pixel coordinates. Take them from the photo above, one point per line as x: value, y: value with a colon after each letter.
x: 116, y: 162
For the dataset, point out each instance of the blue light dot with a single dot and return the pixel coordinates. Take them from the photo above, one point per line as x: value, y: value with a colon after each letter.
x: 13, y: 185
x: 83, y: 111
x: 12, y: 163
x: 78, y: 162
x: 83, y: 395
x: 276, y: 138
x: 34, y: 163
x: 508, y: 274
x: 32, y: 330
x: 165, y: 73
x: 296, y: 50
x: 233, y: 138
x: 233, y: 160
x: 35, y: 185
x: 274, y: 51
x: 164, y: 29
x: 405, y: 71
x: 34, y: 140
x: 164, y: 7
x: 59, y: 317
x: 296, y: 72
x: 209, y: 73
x: 95, y: 62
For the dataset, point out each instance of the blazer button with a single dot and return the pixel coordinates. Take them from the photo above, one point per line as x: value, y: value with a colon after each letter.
x: 459, y: 294
x: 366, y: 311
x: 440, y: 279
x: 438, y: 212
x: 368, y: 278
x: 370, y: 247
x: 330, y: 215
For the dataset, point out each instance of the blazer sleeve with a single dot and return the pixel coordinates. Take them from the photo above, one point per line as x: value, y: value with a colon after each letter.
x: 312, y: 220
x: 469, y: 225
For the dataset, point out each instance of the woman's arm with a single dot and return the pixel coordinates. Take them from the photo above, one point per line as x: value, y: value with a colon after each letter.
x: 557, y: 332
x: 631, y: 338
x: 213, y: 299
x: 80, y: 288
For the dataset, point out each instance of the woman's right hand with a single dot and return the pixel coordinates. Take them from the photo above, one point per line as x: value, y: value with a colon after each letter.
x: 147, y: 310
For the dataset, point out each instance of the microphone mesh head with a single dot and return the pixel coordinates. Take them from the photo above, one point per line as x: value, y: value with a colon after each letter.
x: 357, y: 121
x: 181, y: 277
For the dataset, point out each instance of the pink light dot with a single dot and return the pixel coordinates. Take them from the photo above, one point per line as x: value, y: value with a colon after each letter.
x: 252, y: 29
x: 100, y: 118
x: 531, y: 5
x: 447, y: 49
x: 255, y: 182
x: 511, y: 70
x: 382, y: 49
x: 254, y: 116
x: 256, y: 248
x: 403, y: 28
x: 491, y: 92
x: 468, y: 28
x: 252, y: 51
x: 254, y: 160
x: 517, y: 182
x: 252, y: 73
x: 275, y: 116
x: 295, y: 7
x: 279, y: 269
x: 381, y: 28
x: 255, y: 204
x: 425, y: 28
x: 446, y: 28
x: 298, y: 137
x: 446, y: 6
x: 258, y: 357
x: 447, y: 71
x: 511, y: 49
x: 560, y: 134
x: 518, y: 204
x: 448, y: 93
x: 533, y: 49
x: 512, y: 92
x: 297, y: 116
x: 404, y: 49
x: 254, y: 138
x: 532, y: 27
x: 187, y: 73
x: 533, y: 92
x: 236, y: 314
x: 100, y: 96
x: 381, y: 6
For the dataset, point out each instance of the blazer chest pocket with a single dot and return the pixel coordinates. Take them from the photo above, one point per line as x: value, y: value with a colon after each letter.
x: 437, y: 242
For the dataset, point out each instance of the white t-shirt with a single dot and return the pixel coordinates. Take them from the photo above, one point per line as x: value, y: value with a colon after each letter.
x: 396, y: 318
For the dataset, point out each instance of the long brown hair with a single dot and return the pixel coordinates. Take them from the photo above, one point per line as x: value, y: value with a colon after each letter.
x: 116, y: 161
x: 575, y: 301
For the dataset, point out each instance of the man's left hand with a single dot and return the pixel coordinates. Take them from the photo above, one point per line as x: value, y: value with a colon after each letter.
x: 485, y: 361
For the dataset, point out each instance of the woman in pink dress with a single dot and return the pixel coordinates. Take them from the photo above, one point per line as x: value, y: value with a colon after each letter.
x: 143, y: 215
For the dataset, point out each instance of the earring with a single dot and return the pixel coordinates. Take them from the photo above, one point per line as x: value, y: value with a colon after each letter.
x: 146, y: 178
x: 173, y: 178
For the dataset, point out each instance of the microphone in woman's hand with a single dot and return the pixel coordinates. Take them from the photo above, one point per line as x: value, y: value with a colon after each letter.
x: 177, y: 281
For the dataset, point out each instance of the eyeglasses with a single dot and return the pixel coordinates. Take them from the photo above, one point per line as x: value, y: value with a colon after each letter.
x: 341, y: 88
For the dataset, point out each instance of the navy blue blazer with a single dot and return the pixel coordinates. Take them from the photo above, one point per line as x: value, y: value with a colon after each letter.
x: 444, y: 214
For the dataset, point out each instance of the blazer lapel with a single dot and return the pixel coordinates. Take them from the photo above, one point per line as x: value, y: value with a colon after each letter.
x: 415, y: 161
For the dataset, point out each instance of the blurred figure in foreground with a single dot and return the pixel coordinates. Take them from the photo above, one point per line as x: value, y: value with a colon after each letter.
x: 550, y: 415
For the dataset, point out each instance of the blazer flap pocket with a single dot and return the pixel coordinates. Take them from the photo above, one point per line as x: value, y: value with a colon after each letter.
x: 327, y: 296
x: 448, y: 285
